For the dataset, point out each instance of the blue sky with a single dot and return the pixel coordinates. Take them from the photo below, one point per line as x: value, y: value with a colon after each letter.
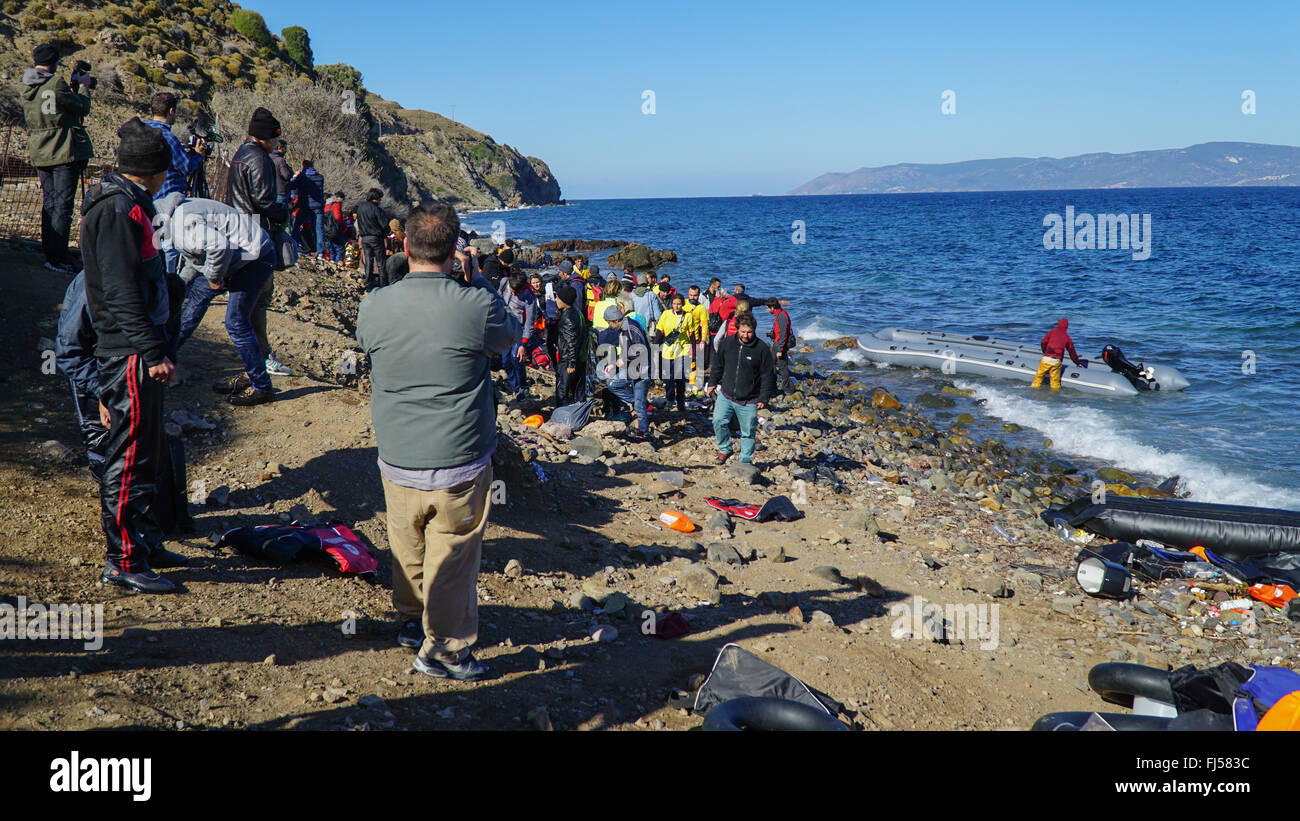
x: 759, y: 97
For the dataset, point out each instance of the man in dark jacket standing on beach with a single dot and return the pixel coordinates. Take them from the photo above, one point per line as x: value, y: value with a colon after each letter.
x: 744, y: 376
x: 430, y: 338
x: 572, y: 338
x: 251, y: 188
x: 372, y: 228
x: 58, y: 145
x: 126, y: 292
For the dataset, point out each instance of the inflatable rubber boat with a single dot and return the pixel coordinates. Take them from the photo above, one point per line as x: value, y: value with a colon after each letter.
x: 1234, y: 531
x: 1114, y: 375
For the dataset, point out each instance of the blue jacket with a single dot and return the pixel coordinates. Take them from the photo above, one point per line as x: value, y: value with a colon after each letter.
x: 310, y: 186
x: 74, y: 347
x: 184, y: 162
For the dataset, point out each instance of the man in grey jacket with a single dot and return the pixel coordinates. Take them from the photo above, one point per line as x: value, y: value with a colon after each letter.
x: 221, y: 249
x: 430, y: 338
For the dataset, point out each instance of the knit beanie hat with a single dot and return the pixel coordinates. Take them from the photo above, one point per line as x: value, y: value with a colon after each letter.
x: 567, y: 293
x: 264, y: 125
x: 46, y: 54
x: 143, y: 151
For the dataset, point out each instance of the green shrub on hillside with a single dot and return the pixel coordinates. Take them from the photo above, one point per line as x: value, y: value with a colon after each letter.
x: 341, y: 75
x: 180, y: 59
x: 155, y: 74
x: 251, y: 25
x: 11, y: 6
x: 297, y: 45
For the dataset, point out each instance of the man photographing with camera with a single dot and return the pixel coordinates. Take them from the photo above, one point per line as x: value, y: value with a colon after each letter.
x: 58, y: 144
x: 185, y: 160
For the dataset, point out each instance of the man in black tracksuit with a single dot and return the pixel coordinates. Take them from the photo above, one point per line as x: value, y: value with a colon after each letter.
x: 372, y: 229
x: 126, y: 295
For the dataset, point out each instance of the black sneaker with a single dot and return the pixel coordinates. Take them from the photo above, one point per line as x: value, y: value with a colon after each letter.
x: 144, y: 582
x: 468, y: 670
x: 411, y: 634
x: 234, y: 384
x: 250, y: 396
x: 162, y: 557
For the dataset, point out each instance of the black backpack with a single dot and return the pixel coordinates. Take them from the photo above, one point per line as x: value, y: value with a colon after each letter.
x: 331, y: 227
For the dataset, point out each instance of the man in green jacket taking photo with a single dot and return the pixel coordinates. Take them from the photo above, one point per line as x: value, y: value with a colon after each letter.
x: 58, y: 144
x: 430, y: 338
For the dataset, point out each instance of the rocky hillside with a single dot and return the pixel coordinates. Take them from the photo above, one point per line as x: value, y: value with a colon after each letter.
x: 208, y: 50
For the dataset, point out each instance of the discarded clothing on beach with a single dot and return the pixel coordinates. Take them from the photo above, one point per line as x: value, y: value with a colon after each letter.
x: 779, y: 508
x: 284, y: 543
x: 821, y: 475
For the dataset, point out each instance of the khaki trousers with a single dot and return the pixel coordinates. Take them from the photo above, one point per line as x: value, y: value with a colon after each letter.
x: 437, y: 543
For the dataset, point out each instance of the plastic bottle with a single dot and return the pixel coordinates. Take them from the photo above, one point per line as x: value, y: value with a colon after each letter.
x: 1200, y: 570
x: 677, y: 521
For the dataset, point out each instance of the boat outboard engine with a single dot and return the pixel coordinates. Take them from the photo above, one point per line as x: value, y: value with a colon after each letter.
x: 1141, y: 377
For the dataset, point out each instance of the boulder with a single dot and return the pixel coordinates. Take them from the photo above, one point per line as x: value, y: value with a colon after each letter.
x: 604, y: 427
x: 723, y: 552
x: 935, y: 400
x: 1115, y: 475
x: 840, y: 343
x: 743, y: 472
x: 557, y: 430
x: 700, y: 582
x: 640, y: 257
x: 881, y: 398
x: 586, y: 448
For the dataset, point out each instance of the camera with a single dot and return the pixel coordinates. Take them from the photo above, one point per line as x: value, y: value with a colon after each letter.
x: 81, y: 76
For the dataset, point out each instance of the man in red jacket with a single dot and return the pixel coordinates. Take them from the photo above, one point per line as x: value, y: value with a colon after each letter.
x: 782, y: 340
x: 1055, y: 345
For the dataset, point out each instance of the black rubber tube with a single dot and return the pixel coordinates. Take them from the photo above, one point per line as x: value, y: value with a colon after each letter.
x: 1123, y: 722
x: 1118, y: 683
x: 769, y: 714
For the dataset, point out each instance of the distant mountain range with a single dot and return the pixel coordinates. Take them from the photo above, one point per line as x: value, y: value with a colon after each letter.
x: 1206, y: 164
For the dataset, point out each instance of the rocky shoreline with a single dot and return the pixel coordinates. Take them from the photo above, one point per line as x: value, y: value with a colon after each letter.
x: 902, y: 511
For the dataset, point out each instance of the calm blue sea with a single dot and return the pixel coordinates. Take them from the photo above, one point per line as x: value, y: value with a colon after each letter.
x: 1219, y: 291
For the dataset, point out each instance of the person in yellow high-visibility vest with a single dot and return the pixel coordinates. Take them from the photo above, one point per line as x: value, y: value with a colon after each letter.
x: 675, y: 329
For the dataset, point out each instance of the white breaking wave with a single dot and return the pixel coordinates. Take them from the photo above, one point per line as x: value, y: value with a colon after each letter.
x: 1088, y: 432
x: 851, y: 355
x: 817, y: 331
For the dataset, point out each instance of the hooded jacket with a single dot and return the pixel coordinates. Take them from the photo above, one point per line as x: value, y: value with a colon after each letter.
x: 125, y: 286
x: 213, y: 239
x: 74, y: 347
x: 744, y: 372
x: 647, y: 304
x: 1057, y: 341
x: 523, y: 307
x: 251, y: 185
x: 310, y: 186
x: 56, y: 135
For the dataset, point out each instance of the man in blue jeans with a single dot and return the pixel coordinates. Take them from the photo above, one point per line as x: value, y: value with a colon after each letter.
x: 627, y: 368
x: 744, y: 375
x: 222, y: 249
x: 310, y: 187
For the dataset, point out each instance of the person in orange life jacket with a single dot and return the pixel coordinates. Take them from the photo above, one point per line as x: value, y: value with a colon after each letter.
x: 543, y: 320
x: 1056, y: 343
x: 781, y: 341
x: 595, y: 288
x: 523, y: 307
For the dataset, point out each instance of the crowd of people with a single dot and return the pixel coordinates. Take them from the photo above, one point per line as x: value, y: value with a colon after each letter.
x: 437, y: 321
